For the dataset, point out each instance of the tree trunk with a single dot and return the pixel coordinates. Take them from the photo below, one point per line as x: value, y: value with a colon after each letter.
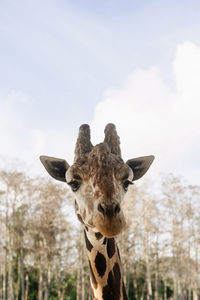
x: 143, y: 290
x: 40, y: 285
x: 27, y: 287
x: 127, y: 277
x: 135, y: 287
x: 82, y: 283
x: 17, y: 285
x: 148, y: 271
x: 148, y: 279
x: 47, y: 283
x: 1, y: 283
x: 156, y: 278
x: 10, y: 275
x: 165, y: 290
x: 22, y: 273
x: 60, y: 293
x: 5, y: 277
x: 78, y: 284
x: 179, y: 297
x: 195, y: 294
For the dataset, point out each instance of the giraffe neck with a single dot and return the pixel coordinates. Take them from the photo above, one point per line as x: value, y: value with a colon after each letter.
x: 105, y: 267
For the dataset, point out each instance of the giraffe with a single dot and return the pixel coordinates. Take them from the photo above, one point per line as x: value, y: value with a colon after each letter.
x: 99, y: 179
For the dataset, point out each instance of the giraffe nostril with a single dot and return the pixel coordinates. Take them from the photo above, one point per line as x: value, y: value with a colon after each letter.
x: 117, y: 209
x: 101, y: 209
x: 109, y: 210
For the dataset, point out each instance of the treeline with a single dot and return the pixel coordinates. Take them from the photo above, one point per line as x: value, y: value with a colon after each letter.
x: 161, y: 246
x: 42, y: 253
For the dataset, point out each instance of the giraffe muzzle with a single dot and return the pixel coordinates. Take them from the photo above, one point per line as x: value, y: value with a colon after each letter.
x: 109, y: 218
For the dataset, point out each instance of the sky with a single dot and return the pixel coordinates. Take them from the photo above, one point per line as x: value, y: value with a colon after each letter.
x: 133, y: 63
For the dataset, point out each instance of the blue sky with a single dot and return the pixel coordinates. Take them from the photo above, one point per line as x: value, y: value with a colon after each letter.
x: 61, y: 61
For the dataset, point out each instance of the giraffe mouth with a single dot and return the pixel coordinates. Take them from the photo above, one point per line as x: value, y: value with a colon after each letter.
x: 109, y: 226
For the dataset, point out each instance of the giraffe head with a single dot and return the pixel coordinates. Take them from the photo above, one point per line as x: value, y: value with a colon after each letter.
x: 99, y: 178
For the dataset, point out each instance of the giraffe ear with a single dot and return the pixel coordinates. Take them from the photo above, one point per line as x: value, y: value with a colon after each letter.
x: 140, y: 165
x: 56, y: 167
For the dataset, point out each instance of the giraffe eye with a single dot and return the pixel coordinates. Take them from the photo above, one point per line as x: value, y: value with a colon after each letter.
x: 74, y: 185
x: 126, y: 184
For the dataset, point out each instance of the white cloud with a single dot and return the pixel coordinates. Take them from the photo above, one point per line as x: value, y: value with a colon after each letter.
x: 153, y: 118
x: 22, y: 143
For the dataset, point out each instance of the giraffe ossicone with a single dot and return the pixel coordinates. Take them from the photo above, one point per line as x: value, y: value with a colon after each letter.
x: 99, y: 179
